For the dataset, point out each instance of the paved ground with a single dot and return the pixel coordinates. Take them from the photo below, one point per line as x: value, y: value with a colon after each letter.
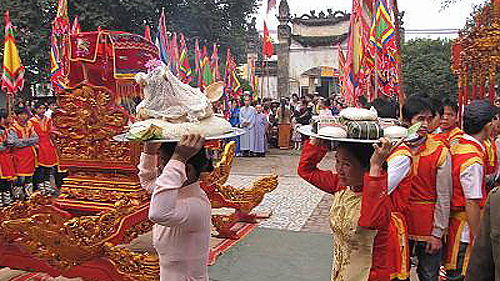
x: 295, y: 204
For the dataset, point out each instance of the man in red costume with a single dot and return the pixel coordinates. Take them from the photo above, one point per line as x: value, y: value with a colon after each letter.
x: 429, y: 199
x: 47, y: 155
x: 24, y: 152
x: 491, y: 146
x: 469, y: 180
x: 399, y: 176
x: 7, y: 169
x: 449, y: 123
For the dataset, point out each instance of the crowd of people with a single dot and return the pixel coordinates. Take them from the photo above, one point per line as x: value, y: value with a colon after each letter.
x: 419, y: 201
x: 261, y: 119
x: 425, y: 201
x: 28, y: 157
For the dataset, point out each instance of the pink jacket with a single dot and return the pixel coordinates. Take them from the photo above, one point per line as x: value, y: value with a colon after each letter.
x: 181, y: 235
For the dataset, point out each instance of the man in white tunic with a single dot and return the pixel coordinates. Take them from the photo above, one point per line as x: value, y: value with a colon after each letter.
x: 247, y: 122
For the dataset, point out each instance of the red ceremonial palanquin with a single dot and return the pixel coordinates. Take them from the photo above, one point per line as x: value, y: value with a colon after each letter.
x: 398, y: 258
x: 7, y: 168
x: 375, y: 210
x: 47, y: 154
x: 464, y: 153
x: 24, y: 157
x: 422, y: 200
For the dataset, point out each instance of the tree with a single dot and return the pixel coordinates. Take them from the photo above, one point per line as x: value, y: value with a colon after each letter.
x: 224, y: 22
x: 427, y: 67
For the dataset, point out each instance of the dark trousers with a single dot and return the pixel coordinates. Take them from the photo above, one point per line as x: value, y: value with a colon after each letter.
x: 428, y: 265
x: 457, y: 274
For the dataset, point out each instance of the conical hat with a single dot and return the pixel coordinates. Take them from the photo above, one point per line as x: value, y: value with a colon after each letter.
x: 214, y: 91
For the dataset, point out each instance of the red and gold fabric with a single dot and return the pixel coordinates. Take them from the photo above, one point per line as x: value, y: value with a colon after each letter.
x: 24, y: 157
x: 398, y: 258
x: 458, y: 220
x: 7, y: 169
x: 464, y: 154
x: 491, y: 163
x: 47, y: 153
x: 423, y: 195
x: 447, y: 137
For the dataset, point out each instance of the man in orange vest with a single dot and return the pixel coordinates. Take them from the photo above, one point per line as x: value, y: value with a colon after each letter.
x: 469, y: 181
x: 430, y: 192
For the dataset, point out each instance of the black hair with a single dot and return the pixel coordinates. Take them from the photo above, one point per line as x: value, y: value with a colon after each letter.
x: 3, y: 113
x: 436, y: 105
x: 361, y: 151
x: 415, y: 104
x: 477, y: 114
x: 327, y: 103
x: 449, y: 103
x: 200, y: 161
x: 385, y: 108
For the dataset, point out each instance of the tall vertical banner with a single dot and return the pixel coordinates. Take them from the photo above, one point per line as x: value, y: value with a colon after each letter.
x: 162, y: 39
x: 13, y: 70
x: 185, y: 69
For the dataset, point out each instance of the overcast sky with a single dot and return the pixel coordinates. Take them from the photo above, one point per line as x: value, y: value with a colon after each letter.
x: 419, y: 14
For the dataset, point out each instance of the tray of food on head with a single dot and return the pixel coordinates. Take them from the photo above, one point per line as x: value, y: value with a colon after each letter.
x: 358, y: 125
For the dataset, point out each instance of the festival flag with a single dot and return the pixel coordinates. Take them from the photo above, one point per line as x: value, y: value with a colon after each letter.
x: 383, y: 44
x: 55, y: 63
x: 341, y: 69
x: 271, y: 4
x: 13, y: 70
x: 267, y: 48
x: 206, y: 72
x: 173, y: 61
x: 147, y: 33
x: 197, y: 61
x: 214, y: 64
x: 162, y: 39
x: 75, y: 29
x: 185, y: 69
x: 61, y: 21
x: 227, y: 92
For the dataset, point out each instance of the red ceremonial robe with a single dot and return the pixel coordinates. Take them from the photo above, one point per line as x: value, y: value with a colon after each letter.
x: 375, y: 208
x: 47, y: 154
x: 464, y: 153
x: 398, y: 258
x: 24, y: 151
x: 7, y: 168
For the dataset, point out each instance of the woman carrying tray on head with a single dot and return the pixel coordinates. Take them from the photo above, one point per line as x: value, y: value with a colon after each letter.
x: 361, y: 211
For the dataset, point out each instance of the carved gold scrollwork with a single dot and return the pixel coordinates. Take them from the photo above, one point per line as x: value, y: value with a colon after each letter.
x: 65, y: 242
x: 86, y: 122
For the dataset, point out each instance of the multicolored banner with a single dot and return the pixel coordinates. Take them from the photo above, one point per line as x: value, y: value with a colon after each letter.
x: 162, y: 39
x: 185, y: 69
x: 13, y: 70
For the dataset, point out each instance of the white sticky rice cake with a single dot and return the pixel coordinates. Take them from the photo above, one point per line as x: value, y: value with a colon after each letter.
x: 209, y: 127
x: 333, y: 132
x: 359, y: 114
x: 395, y: 132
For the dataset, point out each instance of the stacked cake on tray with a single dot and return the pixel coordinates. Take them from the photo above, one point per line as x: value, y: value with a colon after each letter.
x: 355, y: 124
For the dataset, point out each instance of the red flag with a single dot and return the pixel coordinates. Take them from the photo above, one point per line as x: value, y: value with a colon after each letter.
x: 214, y: 64
x: 267, y: 49
x: 75, y: 29
x: 197, y: 59
x: 147, y: 33
x: 270, y: 5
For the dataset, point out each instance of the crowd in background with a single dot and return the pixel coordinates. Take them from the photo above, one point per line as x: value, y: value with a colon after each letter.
x: 28, y: 157
x: 262, y: 119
